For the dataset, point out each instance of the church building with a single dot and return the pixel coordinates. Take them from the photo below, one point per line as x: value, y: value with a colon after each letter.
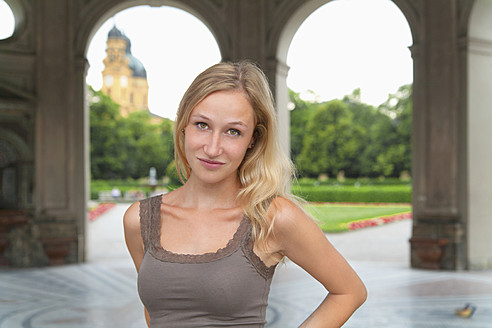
x: 124, y: 76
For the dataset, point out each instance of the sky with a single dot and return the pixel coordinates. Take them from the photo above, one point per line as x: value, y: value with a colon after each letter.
x: 344, y: 45
x: 6, y: 21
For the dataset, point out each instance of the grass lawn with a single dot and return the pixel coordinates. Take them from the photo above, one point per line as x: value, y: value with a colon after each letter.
x: 334, y: 217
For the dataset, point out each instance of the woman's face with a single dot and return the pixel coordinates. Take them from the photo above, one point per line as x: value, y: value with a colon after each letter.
x: 217, y: 136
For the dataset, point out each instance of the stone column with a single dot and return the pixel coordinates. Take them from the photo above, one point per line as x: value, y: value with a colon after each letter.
x: 80, y: 140
x: 277, y: 75
x: 247, y: 23
x: 438, y: 237
x: 57, y: 164
x: 479, y: 135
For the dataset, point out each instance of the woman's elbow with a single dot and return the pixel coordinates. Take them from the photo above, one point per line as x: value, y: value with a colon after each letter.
x: 360, y: 295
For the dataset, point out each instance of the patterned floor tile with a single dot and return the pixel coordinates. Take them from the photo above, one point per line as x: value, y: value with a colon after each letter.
x: 103, y: 293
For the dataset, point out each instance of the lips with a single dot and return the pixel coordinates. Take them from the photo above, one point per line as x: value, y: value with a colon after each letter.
x: 210, y: 164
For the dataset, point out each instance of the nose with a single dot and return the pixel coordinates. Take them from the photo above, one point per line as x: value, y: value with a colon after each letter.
x: 213, y: 147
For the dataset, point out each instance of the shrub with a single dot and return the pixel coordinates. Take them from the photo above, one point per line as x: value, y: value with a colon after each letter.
x: 364, y: 194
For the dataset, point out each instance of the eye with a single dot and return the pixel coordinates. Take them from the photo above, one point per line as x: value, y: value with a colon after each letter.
x: 201, y: 125
x: 234, y: 132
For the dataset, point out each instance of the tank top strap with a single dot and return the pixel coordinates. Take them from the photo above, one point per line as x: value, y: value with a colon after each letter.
x: 149, y: 209
x: 247, y: 246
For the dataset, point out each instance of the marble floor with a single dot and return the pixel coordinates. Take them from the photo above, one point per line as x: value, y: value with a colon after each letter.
x: 102, y: 292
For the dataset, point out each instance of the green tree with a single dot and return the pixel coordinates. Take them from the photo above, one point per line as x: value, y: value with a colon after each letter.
x: 127, y: 147
x: 332, y: 141
x: 172, y: 174
x: 381, y: 135
x: 167, y: 143
x: 107, y: 156
x: 148, y: 144
x: 299, y: 116
x: 352, y: 136
x: 364, y: 117
x: 398, y: 154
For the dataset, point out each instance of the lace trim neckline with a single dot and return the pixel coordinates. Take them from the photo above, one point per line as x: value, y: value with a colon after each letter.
x: 164, y: 255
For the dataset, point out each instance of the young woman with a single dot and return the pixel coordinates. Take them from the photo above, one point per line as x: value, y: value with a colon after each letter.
x: 206, y: 252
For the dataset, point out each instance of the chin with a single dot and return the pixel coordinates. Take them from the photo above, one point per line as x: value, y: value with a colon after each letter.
x: 214, y: 179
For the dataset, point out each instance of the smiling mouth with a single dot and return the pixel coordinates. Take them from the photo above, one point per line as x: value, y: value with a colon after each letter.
x: 210, y: 163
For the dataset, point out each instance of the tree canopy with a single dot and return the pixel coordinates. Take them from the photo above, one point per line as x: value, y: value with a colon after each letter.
x: 350, y: 136
x: 326, y: 138
x: 127, y: 147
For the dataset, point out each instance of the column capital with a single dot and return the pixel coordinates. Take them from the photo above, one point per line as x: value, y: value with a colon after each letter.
x: 281, y: 68
x: 81, y: 64
x: 415, y: 50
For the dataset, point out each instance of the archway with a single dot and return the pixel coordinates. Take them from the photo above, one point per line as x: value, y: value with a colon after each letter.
x: 479, y: 136
x: 8, y: 21
x: 288, y: 35
x: 15, y: 166
x: 285, y: 37
x: 166, y: 52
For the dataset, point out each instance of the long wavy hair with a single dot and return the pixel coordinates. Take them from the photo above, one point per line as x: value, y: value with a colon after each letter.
x: 266, y: 170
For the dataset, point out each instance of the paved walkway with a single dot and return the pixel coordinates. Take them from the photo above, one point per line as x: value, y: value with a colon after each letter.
x: 102, y: 292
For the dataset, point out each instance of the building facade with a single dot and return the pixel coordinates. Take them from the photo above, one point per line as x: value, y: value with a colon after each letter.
x: 124, y: 76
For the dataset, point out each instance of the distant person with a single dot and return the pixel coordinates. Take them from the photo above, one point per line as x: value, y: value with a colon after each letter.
x: 115, y: 193
x: 206, y: 252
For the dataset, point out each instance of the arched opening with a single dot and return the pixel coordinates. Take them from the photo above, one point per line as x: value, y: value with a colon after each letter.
x: 7, y: 18
x: 325, y: 45
x: 168, y: 54
x: 345, y: 45
x: 166, y: 51
x: 15, y: 163
x: 479, y: 135
x: 13, y: 18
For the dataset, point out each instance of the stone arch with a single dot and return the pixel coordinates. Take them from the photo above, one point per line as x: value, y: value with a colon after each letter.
x: 15, y: 164
x: 284, y: 35
x: 21, y: 151
x: 101, y: 11
x: 292, y: 25
x: 410, y: 12
x: 19, y: 12
x: 286, y: 31
x: 210, y: 13
x: 479, y: 159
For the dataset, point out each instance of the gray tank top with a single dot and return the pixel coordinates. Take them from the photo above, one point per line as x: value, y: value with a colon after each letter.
x: 228, y: 288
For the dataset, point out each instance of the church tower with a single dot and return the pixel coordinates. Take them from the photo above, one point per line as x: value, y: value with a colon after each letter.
x: 124, y: 76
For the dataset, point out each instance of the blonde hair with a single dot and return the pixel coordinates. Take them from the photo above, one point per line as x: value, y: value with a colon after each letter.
x: 265, y: 171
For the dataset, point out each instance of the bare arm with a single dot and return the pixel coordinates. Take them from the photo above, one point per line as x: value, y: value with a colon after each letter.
x: 300, y: 239
x: 133, y: 239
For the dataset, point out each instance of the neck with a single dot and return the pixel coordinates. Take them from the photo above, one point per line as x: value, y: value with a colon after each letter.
x: 200, y: 195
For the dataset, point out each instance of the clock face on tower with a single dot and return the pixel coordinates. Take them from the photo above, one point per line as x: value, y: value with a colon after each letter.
x: 108, y: 80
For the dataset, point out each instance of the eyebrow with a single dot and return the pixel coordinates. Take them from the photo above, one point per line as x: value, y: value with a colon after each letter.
x: 238, y: 123
x: 199, y: 116
x: 208, y: 119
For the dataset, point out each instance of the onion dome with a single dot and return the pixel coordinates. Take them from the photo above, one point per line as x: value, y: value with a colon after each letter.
x: 138, y: 69
x: 114, y: 33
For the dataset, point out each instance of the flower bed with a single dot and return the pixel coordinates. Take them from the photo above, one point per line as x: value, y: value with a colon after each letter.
x: 94, y: 213
x: 373, y: 222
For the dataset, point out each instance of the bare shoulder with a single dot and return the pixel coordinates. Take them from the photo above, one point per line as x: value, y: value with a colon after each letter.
x: 131, y: 218
x: 288, y: 215
x: 292, y: 226
x: 133, y: 237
